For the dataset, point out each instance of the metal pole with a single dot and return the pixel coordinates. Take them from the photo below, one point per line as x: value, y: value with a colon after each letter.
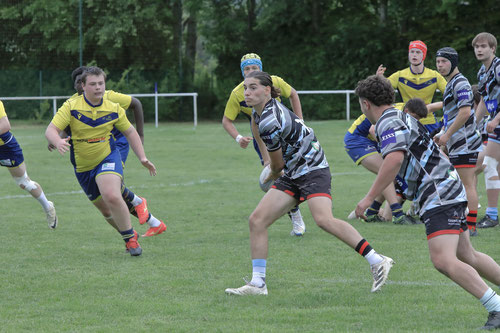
x: 80, y: 31
x: 195, y: 110
x: 348, y: 106
x: 54, y: 103
x: 156, y: 104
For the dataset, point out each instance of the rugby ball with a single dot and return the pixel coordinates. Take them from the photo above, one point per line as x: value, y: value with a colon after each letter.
x: 263, y: 176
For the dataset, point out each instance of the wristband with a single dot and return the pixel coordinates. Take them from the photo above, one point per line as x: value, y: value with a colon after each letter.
x: 238, y: 138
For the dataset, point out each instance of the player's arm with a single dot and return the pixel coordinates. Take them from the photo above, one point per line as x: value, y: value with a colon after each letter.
x: 262, y: 146
x: 386, y: 175
x: 4, y: 125
x: 228, y: 125
x: 136, y: 107
x: 433, y: 107
x: 480, y: 110
x: 277, y: 164
x: 295, y: 101
x: 460, y: 120
x: 135, y: 143
x: 52, y: 134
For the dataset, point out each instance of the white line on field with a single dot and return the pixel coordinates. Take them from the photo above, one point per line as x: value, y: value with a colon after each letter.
x: 191, y: 183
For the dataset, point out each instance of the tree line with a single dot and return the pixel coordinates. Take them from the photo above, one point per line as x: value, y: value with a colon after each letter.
x: 196, y: 45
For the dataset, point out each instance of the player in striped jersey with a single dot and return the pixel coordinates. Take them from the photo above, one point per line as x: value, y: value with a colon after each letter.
x: 460, y: 137
x: 432, y: 181
x: 236, y: 105
x: 489, y: 87
x: 301, y: 173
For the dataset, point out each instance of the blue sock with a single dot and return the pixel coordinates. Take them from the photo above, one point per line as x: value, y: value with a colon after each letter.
x: 492, y: 212
x: 127, y: 234
x: 397, y: 210
x: 490, y: 300
x: 374, y: 208
x: 259, y: 272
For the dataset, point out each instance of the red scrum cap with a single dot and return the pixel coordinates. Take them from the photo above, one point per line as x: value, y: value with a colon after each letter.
x: 418, y: 44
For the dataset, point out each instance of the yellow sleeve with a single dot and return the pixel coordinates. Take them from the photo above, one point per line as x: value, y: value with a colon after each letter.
x: 284, y: 87
x: 232, y: 107
x: 122, y: 99
x: 62, y: 117
x: 122, y: 124
x: 394, y: 79
x: 441, y: 82
x: 2, y: 111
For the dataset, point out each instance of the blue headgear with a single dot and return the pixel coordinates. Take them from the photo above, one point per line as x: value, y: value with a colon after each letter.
x: 250, y: 59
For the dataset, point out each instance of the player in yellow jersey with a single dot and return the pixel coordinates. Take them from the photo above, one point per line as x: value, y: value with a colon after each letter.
x: 136, y: 204
x: 97, y: 161
x: 418, y: 81
x: 236, y: 105
x: 11, y: 157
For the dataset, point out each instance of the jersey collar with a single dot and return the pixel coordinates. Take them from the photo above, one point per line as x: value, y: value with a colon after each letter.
x: 92, y: 105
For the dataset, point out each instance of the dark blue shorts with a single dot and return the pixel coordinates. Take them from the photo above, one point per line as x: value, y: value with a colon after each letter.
x: 111, y: 164
x: 11, y: 154
x: 360, y: 148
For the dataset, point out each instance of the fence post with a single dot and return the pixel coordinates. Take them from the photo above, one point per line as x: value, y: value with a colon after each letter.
x: 348, y: 106
x: 156, y: 104
x: 54, y: 103
x: 195, y: 110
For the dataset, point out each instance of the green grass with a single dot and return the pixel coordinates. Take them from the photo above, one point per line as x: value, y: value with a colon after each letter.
x: 78, y: 278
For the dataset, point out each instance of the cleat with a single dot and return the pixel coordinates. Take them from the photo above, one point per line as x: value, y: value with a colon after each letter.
x: 133, y: 246
x: 487, y: 222
x: 298, y: 225
x: 153, y: 231
x: 247, y: 289
x: 380, y: 272
x: 352, y: 215
x: 142, y: 211
x: 135, y: 235
x: 51, y: 216
x: 374, y: 219
x: 473, y: 232
x: 493, y: 321
x: 404, y: 220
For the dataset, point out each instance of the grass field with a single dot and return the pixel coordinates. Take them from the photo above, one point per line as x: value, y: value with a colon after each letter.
x: 78, y: 278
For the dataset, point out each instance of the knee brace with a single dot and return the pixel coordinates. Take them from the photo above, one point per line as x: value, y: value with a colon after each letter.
x: 490, y: 171
x: 25, y: 183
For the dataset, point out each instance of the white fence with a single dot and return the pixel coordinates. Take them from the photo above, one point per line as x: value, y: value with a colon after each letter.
x: 193, y: 95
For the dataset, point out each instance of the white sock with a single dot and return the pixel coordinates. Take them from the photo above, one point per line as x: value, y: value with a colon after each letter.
x: 490, y: 300
x: 153, y: 221
x: 373, y: 258
x: 44, y: 202
x: 137, y: 201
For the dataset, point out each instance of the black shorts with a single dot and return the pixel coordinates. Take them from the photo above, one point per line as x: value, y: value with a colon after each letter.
x: 464, y: 161
x: 313, y: 184
x: 448, y: 219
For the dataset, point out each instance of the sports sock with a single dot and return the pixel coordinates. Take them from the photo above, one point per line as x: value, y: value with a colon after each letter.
x: 365, y: 249
x: 472, y: 219
x: 294, y: 209
x: 43, y: 201
x: 127, y: 194
x: 492, y: 212
x: 127, y: 234
x: 397, y: 210
x: 490, y: 300
x: 137, y: 201
x: 153, y: 221
x: 258, y: 272
x: 374, y: 208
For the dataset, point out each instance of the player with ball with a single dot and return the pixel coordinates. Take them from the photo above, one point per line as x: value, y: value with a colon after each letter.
x: 300, y: 172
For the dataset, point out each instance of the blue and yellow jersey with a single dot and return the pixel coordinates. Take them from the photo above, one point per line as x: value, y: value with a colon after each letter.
x: 90, y: 127
x: 4, y: 137
x: 360, y: 127
x: 424, y: 85
x: 236, y: 102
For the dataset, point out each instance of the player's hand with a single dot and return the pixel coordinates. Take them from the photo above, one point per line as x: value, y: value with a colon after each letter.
x: 441, y: 140
x: 244, y: 141
x: 490, y: 127
x: 361, y: 207
x: 381, y: 70
x: 51, y: 147
x: 151, y: 167
x: 63, y: 145
x: 274, y: 176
